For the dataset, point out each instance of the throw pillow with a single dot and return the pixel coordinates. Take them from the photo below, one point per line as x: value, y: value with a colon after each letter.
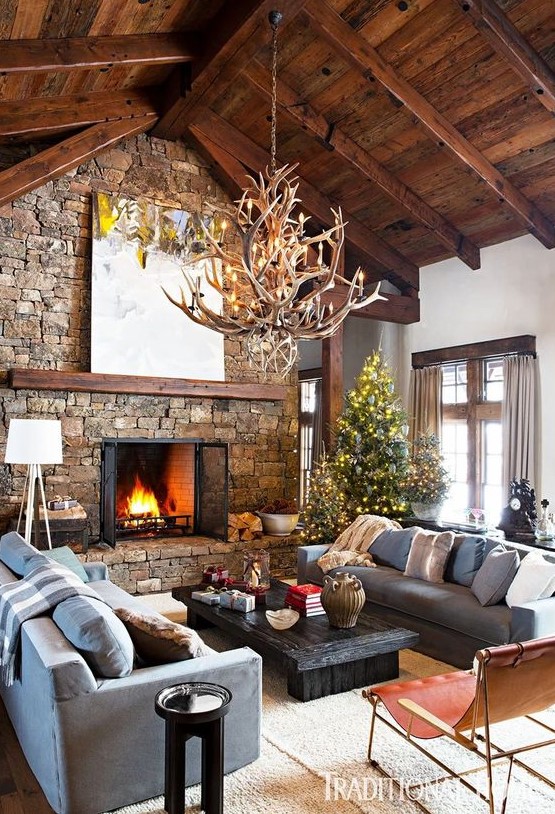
x: 15, y: 552
x: 428, y: 555
x: 65, y: 556
x: 95, y: 631
x: 535, y: 579
x: 465, y: 559
x: 495, y: 575
x: 392, y: 547
x: 159, y: 641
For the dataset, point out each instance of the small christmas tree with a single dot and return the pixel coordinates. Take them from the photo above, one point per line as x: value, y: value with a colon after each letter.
x: 366, y: 473
x: 428, y: 480
x: 324, y: 513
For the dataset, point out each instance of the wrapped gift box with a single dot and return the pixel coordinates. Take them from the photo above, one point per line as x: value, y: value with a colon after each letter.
x: 208, y: 597
x: 215, y: 574
x: 231, y: 584
x: 238, y: 601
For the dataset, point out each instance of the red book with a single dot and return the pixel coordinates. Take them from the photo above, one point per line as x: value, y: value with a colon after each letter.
x: 319, y: 611
x: 293, y: 602
x: 307, y: 590
x: 300, y: 603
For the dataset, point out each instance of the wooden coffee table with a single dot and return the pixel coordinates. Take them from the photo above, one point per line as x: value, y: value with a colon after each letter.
x: 319, y: 660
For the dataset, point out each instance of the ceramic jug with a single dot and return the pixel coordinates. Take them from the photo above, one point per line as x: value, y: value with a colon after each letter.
x: 343, y: 599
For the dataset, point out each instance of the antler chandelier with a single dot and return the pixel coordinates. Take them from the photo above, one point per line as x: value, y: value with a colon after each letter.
x: 272, y: 288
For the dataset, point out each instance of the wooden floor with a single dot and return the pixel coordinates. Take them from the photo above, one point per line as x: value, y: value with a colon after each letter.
x: 19, y: 791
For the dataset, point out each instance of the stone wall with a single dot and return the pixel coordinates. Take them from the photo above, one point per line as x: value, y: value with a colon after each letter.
x: 45, y: 274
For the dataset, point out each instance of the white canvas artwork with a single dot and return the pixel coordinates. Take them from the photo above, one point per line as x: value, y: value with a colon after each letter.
x: 138, y: 250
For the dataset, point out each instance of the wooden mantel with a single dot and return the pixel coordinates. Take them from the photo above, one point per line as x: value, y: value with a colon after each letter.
x: 23, y: 378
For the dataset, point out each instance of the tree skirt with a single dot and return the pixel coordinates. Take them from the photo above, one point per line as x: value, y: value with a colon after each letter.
x: 313, y: 761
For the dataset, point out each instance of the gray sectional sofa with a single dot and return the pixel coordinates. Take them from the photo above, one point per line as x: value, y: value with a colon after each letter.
x: 96, y: 744
x: 449, y: 618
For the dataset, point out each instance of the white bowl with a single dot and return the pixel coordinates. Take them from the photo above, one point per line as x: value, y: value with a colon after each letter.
x: 282, y: 619
x: 278, y: 525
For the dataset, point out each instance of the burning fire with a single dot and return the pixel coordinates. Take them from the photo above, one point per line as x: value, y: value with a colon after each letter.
x: 142, y: 502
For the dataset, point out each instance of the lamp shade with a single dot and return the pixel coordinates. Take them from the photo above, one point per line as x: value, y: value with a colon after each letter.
x: 34, y: 441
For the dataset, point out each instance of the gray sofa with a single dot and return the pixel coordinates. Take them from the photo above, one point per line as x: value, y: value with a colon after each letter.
x: 450, y: 620
x: 96, y: 744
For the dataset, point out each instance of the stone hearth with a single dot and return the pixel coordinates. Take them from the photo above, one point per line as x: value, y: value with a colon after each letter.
x: 149, y: 566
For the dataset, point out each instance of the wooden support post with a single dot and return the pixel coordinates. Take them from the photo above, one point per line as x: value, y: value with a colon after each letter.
x: 332, y: 386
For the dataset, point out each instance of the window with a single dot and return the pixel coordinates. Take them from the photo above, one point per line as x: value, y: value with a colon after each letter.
x: 471, y: 431
x: 309, y: 431
x: 472, y: 395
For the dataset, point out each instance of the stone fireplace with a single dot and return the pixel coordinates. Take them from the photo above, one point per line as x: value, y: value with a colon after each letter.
x: 162, y: 488
x: 46, y: 285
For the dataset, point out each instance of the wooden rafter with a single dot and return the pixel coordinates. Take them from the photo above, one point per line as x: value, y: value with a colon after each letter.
x: 334, y: 137
x: 239, y: 31
x: 36, y: 117
x: 507, y: 40
x: 22, y: 56
x: 57, y: 160
x: 399, y: 309
x: 363, y: 57
x: 393, y: 265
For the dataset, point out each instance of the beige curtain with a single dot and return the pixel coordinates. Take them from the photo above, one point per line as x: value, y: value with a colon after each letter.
x: 520, y: 420
x: 425, y: 401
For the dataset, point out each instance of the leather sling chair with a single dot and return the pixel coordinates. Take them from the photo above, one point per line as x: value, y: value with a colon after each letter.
x: 509, y: 681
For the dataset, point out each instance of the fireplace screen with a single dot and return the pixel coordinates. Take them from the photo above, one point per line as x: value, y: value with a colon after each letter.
x: 162, y: 488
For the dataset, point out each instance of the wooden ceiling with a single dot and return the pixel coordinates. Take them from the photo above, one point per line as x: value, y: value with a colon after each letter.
x: 430, y: 122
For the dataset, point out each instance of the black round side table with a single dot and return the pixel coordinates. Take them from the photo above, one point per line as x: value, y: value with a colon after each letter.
x: 194, y: 710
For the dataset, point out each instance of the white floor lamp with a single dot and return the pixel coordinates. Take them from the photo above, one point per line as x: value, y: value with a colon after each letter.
x: 34, y: 442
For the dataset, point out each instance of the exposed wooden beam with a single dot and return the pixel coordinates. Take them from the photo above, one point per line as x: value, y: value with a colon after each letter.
x: 78, y: 53
x: 229, y: 172
x: 332, y: 386
x: 393, y: 265
x: 334, y: 137
x: 36, y: 117
x: 57, y: 160
x: 237, y: 33
x: 28, y: 379
x: 507, y: 40
x: 399, y: 309
x: 359, y: 53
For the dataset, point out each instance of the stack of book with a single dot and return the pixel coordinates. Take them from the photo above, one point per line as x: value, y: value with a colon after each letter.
x: 305, y: 599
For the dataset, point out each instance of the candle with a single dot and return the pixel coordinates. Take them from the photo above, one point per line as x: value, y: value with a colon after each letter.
x: 255, y: 574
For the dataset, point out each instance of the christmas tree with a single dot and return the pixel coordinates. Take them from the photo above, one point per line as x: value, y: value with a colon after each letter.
x: 371, y: 456
x: 324, y: 513
x: 428, y: 480
x: 369, y: 467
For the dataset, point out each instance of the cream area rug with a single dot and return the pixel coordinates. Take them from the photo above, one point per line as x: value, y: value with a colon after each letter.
x: 313, y: 761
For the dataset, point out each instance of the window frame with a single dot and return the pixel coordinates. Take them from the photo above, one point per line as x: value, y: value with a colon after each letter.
x: 305, y: 421
x: 476, y: 411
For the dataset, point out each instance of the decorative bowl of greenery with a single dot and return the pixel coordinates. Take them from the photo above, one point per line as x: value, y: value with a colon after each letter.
x: 428, y: 481
x: 279, y: 517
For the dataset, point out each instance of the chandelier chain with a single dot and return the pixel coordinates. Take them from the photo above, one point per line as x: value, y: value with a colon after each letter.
x: 273, y: 136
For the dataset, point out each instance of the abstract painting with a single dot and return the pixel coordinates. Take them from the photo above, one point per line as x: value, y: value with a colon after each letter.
x: 138, y: 250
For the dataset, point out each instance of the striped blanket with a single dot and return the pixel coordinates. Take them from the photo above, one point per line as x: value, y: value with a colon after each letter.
x: 40, y: 591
